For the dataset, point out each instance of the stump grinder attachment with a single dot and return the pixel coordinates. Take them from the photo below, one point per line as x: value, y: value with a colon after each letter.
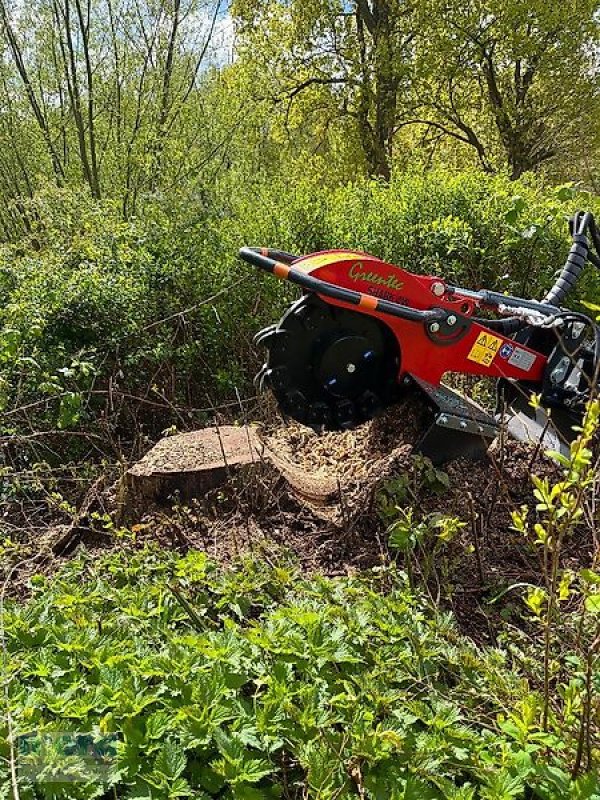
x: 365, y: 333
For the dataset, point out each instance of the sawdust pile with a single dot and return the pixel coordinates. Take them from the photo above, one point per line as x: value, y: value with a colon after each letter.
x: 332, y: 468
x: 313, y: 495
x: 320, y: 498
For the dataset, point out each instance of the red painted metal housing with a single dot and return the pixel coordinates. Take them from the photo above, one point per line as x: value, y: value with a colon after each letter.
x: 476, y: 351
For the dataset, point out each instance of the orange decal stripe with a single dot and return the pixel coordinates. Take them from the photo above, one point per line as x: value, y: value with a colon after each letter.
x: 368, y: 302
x: 281, y: 270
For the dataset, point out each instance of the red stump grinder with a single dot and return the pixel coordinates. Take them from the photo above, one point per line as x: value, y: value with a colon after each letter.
x: 365, y: 333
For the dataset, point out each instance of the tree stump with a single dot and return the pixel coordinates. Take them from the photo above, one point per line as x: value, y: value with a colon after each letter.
x: 190, y: 464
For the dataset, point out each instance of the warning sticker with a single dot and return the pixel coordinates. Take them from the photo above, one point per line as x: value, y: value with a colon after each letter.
x: 485, y: 348
x: 522, y: 359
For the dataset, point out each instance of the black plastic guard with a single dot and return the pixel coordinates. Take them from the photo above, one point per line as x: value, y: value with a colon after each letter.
x: 551, y: 430
x: 460, y: 428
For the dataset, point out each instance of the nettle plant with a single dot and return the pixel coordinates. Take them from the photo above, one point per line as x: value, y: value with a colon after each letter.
x: 419, y: 538
x: 567, y: 604
x: 421, y: 541
x: 254, y: 684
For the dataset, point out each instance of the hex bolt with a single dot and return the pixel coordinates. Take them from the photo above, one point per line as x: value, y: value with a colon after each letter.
x: 463, y: 424
x: 351, y: 367
x: 443, y: 419
x: 451, y: 320
x: 438, y: 288
x: 434, y: 327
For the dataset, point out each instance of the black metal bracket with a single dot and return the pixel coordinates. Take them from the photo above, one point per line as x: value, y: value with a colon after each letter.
x: 460, y: 428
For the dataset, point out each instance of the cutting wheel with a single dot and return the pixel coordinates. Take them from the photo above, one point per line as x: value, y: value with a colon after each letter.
x: 329, y: 367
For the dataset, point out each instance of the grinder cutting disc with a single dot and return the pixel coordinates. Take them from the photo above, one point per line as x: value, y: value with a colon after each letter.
x: 329, y: 367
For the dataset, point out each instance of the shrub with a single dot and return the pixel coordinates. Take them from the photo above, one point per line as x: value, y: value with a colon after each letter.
x: 132, y: 299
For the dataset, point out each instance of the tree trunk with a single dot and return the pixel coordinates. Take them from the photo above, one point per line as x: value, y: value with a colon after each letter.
x: 84, y: 26
x: 379, y: 94
x: 31, y: 95
x: 520, y: 141
x: 165, y: 98
x: 70, y: 66
x: 386, y: 92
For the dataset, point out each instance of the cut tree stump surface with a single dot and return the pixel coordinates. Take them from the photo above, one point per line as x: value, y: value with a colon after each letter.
x: 190, y: 464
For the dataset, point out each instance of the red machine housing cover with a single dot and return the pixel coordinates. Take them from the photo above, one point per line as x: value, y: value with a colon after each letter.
x: 469, y: 348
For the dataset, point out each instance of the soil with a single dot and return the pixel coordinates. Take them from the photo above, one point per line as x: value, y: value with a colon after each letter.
x: 322, y: 499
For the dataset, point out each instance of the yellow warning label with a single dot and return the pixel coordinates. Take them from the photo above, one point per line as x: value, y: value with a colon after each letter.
x: 485, y: 348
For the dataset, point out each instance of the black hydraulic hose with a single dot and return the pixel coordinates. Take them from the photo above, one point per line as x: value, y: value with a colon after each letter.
x: 576, y: 260
x: 506, y: 326
x: 579, y: 255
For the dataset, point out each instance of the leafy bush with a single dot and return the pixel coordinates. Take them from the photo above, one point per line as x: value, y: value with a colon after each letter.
x: 471, y: 228
x: 254, y: 684
x: 132, y: 300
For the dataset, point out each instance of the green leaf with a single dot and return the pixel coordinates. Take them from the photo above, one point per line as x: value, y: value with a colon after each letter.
x: 592, y: 604
x: 401, y: 537
x: 180, y: 788
x: 171, y: 761
x: 586, y: 787
x: 535, y: 600
x: 565, y: 192
x: 68, y: 412
x: 589, y: 576
x: 158, y: 724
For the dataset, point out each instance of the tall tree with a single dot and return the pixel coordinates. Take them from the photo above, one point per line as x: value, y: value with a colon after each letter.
x: 360, y: 52
x: 512, y: 80
x: 111, y: 87
x: 35, y: 103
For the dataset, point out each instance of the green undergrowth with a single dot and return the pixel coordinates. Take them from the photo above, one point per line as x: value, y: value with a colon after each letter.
x: 254, y: 683
x: 96, y: 311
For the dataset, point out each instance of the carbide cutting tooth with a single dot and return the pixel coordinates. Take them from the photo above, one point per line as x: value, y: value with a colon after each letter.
x: 274, y: 340
x: 368, y: 404
x: 345, y: 414
x: 295, y: 404
x: 318, y: 414
x: 302, y: 312
x: 278, y: 378
x: 259, y: 378
x: 258, y: 337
